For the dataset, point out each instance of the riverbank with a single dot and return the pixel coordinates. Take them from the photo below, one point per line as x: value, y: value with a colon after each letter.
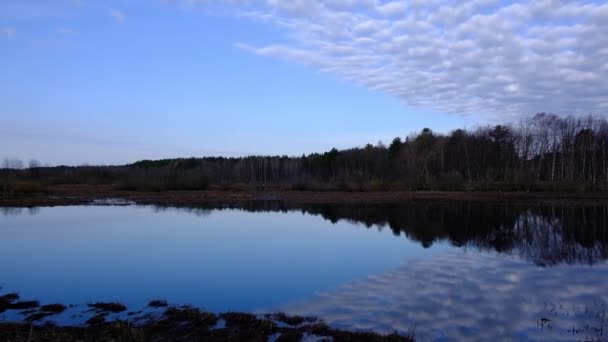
x: 87, y: 194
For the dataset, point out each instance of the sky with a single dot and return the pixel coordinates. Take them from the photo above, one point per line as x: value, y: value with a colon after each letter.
x: 111, y: 82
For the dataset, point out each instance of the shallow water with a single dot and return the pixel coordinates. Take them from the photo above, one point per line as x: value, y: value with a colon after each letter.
x: 448, y: 270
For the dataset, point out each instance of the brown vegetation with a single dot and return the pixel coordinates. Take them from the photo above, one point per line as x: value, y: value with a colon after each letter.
x: 108, y: 307
x: 542, y: 153
x: 185, y: 323
x: 85, y: 194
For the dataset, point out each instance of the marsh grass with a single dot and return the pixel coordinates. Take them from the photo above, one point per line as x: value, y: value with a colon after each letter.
x: 37, y: 316
x: 186, y: 323
x: 43, y: 312
x: 244, y: 327
x: 108, y: 307
x: 10, y: 297
x: 290, y: 336
x: 98, y: 319
x: 189, y: 314
x: 290, y: 320
x: 53, y: 308
x: 158, y: 303
x: 28, y: 312
x: 24, y: 305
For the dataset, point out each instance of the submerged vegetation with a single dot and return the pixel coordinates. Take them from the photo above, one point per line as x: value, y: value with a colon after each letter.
x: 158, y: 303
x: 11, y: 302
x: 108, y: 307
x: 544, y: 152
x: 174, y: 323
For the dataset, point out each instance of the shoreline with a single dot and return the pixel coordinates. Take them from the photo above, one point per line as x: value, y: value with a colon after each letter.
x: 83, y: 195
x: 160, y: 321
x: 239, y: 327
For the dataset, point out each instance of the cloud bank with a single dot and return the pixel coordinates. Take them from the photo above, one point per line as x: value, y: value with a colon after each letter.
x: 499, y: 58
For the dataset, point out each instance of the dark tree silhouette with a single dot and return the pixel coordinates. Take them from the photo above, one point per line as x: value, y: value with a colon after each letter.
x: 543, y: 152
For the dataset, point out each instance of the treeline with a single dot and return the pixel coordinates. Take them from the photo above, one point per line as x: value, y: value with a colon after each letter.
x: 543, y: 152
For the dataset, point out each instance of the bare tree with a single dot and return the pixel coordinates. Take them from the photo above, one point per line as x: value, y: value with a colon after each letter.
x: 12, y: 163
x: 34, y: 164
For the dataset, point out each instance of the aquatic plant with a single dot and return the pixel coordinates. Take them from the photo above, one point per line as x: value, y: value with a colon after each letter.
x: 97, y: 319
x: 53, y: 308
x: 190, y: 314
x: 11, y: 297
x: 175, y: 323
x: 108, y: 307
x: 24, y: 305
x: 158, y: 303
x: 291, y: 320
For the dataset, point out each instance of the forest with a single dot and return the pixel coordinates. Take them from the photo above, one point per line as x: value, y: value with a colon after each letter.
x: 545, y: 152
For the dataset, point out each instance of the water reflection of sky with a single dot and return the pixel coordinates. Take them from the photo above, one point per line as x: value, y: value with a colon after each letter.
x: 352, y: 277
x: 224, y: 260
x: 467, y: 295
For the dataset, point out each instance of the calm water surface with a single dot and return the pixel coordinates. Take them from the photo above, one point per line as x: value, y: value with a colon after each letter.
x: 448, y: 270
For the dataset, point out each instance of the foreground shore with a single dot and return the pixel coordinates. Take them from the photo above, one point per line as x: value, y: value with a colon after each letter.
x: 159, y: 321
x: 78, y: 195
x: 185, y: 324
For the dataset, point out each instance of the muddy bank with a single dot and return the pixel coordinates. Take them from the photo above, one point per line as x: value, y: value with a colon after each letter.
x: 74, y: 195
x: 196, y: 330
x: 161, y: 322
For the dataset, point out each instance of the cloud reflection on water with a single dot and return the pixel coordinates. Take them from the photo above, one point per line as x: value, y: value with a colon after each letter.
x: 460, y: 296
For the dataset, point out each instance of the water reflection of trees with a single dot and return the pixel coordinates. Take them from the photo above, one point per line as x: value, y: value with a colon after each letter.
x: 545, y: 235
x: 200, y: 212
x: 11, y: 211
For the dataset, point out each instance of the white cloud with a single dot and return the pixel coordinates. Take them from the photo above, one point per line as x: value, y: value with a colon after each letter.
x: 392, y: 8
x: 488, y: 57
x: 8, y: 32
x: 118, y: 15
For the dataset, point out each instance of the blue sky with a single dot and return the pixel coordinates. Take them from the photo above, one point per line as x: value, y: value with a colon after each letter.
x: 117, y: 81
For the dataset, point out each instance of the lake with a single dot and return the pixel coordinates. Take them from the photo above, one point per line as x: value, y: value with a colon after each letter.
x: 446, y: 270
